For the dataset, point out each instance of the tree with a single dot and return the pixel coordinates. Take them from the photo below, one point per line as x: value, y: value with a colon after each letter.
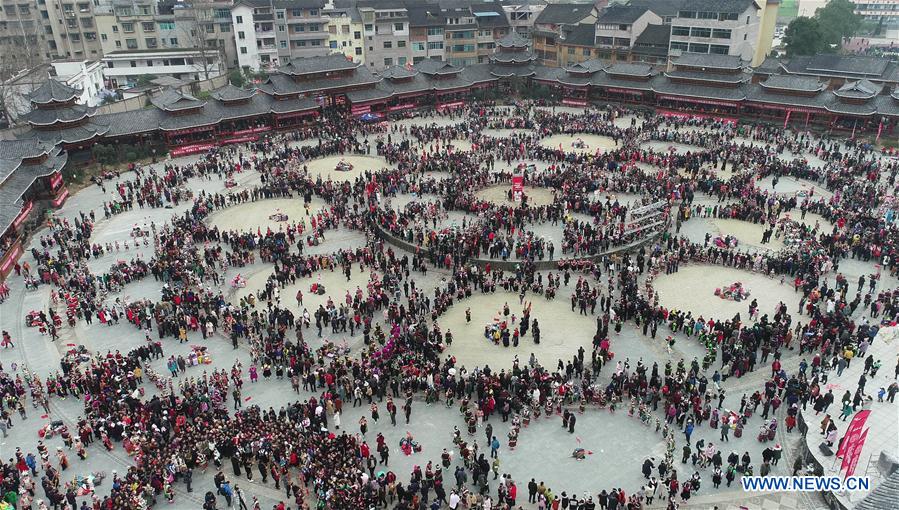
x: 193, y: 23
x: 837, y: 20
x: 803, y: 37
x: 237, y: 78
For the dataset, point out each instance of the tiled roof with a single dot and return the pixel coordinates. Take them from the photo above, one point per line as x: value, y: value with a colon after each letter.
x: 281, y: 84
x: 769, y: 66
x: 489, y: 15
x: 626, y: 69
x: 661, y: 7
x: 758, y: 93
x: 437, y: 67
x: 586, y: 67
x: 16, y: 178
x: 869, y: 66
x: 506, y: 72
x: 662, y: 85
x: 50, y: 116
x: 425, y: 16
x: 622, y: 14
x: 796, y: 83
x: 310, y: 65
x: 709, y: 61
x: 91, y: 129
x: 398, y: 72
x: 512, y: 40
x: 860, y: 89
x: 730, y: 6
x: 582, y: 34
x: 564, y: 14
x: 231, y: 93
x: 883, y: 496
x: 710, y: 77
x: 172, y: 100
x: 52, y: 91
x: 512, y: 57
x: 654, y: 35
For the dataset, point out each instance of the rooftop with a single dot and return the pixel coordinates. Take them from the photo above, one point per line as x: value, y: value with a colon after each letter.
x: 173, y: 100
x: 861, y: 89
x: 231, y: 93
x: 564, y: 14
x: 622, y: 14
x: 53, y: 91
x: 793, y: 83
x: 709, y: 61
x: 311, y: 65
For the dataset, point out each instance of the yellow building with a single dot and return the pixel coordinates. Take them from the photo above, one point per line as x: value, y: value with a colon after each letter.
x: 345, y: 33
x: 768, y: 18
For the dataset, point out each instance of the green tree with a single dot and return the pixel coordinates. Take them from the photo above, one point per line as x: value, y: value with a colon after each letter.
x: 803, y: 37
x: 837, y: 20
x: 237, y: 78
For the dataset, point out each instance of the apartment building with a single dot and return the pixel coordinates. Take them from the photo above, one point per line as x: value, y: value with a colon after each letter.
x: 268, y: 33
x: 618, y: 27
x: 386, y: 32
x: 552, y: 21
x: 85, y: 76
x: 126, y: 67
x: 24, y: 42
x: 426, y: 32
x: 73, y: 28
x: 877, y: 10
x: 345, y: 31
x: 461, y: 33
x: 492, y: 26
x: 522, y: 14
x: 723, y: 27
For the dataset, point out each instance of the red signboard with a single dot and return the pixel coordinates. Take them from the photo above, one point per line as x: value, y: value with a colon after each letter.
x: 23, y: 214
x: 11, y: 257
x: 201, y: 129
x: 55, y: 180
x: 685, y: 115
x: 517, y: 186
x: 360, y: 109
x: 61, y: 198
x: 697, y: 100
x: 297, y: 114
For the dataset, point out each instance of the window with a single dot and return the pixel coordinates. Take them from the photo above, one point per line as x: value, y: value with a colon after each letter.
x: 388, y: 45
x: 173, y: 41
x: 720, y: 33
x: 586, y: 52
x: 301, y: 44
x: 747, y: 20
x: 150, y: 42
x: 315, y: 27
x: 224, y: 27
x: 416, y: 60
x: 682, y: 46
x: 358, y: 51
x: 110, y: 65
x: 398, y: 27
x: 118, y: 44
x: 133, y: 63
x: 128, y: 28
x: 624, y: 28
x: 87, y: 22
x: 605, y: 41
x: 401, y: 44
x: 623, y: 42
x: 435, y: 45
x: 148, y: 26
x: 166, y: 25
x: 241, y: 35
x: 699, y: 48
x: 316, y: 42
x: 239, y: 19
x: 401, y: 61
x: 435, y: 30
x: 369, y: 27
x: 210, y: 28
x: 103, y: 37
x: 706, y: 15
x: 388, y: 62
x: 279, y: 15
x: 75, y: 37
x: 571, y: 50
x: 222, y: 13
x: 296, y: 13
x: 727, y: 16
x: 280, y: 28
x: 243, y: 50
x: 332, y: 30
x: 72, y: 23
x: 418, y: 46
x: 719, y: 49
x: 687, y: 14
x: 131, y: 44
x: 357, y: 35
x: 704, y: 33
x: 681, y: 31
x: 115, y: 29
x: 313, y: 12
x: 284, y: 44
x: 332, y: 44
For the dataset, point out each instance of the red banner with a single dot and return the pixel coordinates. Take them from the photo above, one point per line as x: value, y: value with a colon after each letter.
x: 575, y: 102
x: 624, y: 91
x: 11, y: 257
x: 61, y: 198
x: 405, y: 106
x: 851, y: 445
x: 253, y: 131
x: 855, y: 453
x: 191, y: 149
x: 360, y: 110
x: 517, y: 186
x: 450, y: 106
x: 240, y: 139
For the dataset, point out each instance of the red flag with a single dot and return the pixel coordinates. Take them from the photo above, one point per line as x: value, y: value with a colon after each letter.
x: 879, y: 130
x: 855, y: 453
x: 852, y: 434
x: 787, y: 118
